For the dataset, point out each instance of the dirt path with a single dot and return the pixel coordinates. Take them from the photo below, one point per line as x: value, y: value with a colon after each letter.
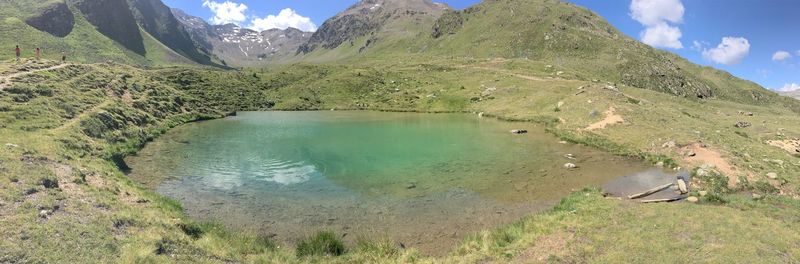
x: 526, y: 77
x: 611, y: 118
x: 6, y: 80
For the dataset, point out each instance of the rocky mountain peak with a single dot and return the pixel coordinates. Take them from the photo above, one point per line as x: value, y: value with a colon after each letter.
x: 238, y: 46
x: 368, y: 17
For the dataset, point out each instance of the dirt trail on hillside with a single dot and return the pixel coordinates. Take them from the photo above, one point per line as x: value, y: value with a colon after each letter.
x: 6, y: 80
x: 611, y: 118
x: 526, y: 77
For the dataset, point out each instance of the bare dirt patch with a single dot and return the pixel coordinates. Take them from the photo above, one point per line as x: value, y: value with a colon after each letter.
x: 610, y: 119
x: 545, y: 247
x: 706, y: 155
x: 790, y: 145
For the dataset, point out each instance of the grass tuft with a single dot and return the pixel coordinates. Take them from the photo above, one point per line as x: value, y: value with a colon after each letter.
x: 324, y: 243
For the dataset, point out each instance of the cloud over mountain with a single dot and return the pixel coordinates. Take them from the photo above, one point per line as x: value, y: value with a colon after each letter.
x: 732, y: 50
x: 657, y: 17
x: 226, y: 12
x: 285, y: 19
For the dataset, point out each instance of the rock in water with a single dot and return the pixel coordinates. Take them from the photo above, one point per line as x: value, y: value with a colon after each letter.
x: 570, y: 166
x: 682, y: 186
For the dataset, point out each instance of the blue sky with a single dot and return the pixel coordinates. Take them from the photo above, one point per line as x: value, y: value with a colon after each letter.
x: 754, y: 40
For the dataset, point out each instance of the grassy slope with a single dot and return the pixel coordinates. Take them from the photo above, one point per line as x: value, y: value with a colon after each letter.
x: 71, y: 123
x: 83, y: 44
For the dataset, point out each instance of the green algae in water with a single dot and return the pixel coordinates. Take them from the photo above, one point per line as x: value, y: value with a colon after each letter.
x: 422, y: 179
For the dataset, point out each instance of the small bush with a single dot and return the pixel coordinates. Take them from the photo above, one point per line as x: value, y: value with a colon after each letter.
x: 764, y: 187
x: 324, y: 243
x: 192, y: 230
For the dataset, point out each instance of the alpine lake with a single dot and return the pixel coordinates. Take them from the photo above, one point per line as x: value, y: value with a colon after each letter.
x: 424, y: 180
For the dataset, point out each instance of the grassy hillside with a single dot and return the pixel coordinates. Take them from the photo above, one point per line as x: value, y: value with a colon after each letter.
x: 63, y: 192
x: 558, y: 38
x: 84, y: 43
x: 64, y: 196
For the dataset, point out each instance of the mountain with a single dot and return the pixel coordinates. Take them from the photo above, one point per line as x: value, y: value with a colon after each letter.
x: 377, y: 21
x: 113, y: 18
x: 158, y: 21
x: 242, y: 47
x: 793, y: 94
x: 570, y: 39
x: 138, y: 32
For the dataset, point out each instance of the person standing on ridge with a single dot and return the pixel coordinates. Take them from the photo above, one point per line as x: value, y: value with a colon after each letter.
x: 19, y: 52
x: 38, y: 53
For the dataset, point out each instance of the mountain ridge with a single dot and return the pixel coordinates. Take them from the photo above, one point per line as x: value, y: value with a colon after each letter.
x: 238, y: 46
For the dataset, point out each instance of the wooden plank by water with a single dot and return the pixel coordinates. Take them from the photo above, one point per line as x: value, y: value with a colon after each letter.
x: 651, y: 191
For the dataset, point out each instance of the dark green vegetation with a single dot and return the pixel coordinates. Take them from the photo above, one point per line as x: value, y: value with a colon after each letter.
x: 566, y: 68
x: 324, y: 243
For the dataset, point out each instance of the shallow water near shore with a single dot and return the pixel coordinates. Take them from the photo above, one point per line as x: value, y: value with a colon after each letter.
x: 424, y: 180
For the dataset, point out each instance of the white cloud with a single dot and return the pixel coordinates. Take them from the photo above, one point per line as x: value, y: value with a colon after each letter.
x: 662, y: 35
x: 789, y: 87
x: 781, y: 55
x: 732, y: 50
x: 654, y: 12
x: 656, y: 16
x: 285, y: 19
x: 699, y: 45
x: 226, y: 12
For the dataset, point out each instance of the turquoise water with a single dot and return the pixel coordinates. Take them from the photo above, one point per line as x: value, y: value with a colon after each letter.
x: 425, y: 180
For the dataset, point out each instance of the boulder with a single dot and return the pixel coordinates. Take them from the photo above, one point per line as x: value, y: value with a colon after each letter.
x: 570, y: 166
x: 519, y: 131
x: 772, y: 175
x: 692, y: 199
x: 703, y: 193
x: 742, y: 124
